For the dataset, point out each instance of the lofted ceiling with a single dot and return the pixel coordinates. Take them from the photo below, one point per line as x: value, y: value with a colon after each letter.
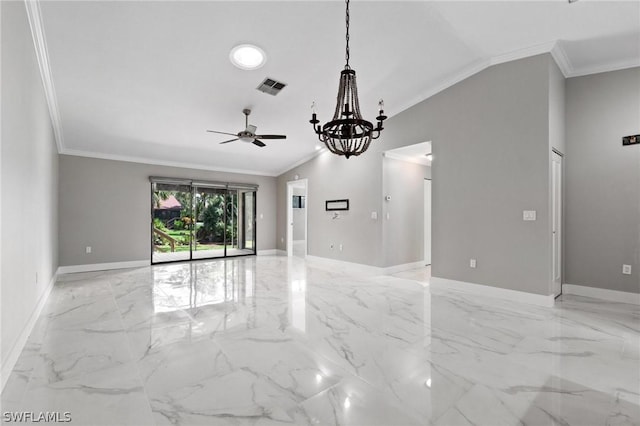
x: 143, y: 81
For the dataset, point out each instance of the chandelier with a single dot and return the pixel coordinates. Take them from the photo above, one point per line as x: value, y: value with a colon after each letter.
x: 348, y: 133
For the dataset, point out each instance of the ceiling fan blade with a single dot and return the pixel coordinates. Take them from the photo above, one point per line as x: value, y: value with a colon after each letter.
x: 222, y: 133
x: 230, y: 140
x: 271, y: 136
x: 259, y: 143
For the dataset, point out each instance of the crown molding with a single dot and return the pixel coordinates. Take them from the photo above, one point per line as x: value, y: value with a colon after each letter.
x: 630, y: 63
x: 155, y: 162
x: 302, y: 161
x: 466, y: 72
x: 562, y: 60
x: 526, y: 52
x: 34, y: 16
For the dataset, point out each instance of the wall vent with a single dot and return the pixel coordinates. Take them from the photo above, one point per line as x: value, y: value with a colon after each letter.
x: 271, y: 86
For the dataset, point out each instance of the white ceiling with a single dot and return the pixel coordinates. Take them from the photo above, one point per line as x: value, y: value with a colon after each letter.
x: 144, y: 80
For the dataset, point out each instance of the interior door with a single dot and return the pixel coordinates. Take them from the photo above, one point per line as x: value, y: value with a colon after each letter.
x: 556, y: 222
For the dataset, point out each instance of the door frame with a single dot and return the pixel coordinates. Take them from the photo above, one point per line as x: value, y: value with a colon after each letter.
x: 227, y: 188
x: 290, y: 185
x: 427, y: 183
x: 556, y: 222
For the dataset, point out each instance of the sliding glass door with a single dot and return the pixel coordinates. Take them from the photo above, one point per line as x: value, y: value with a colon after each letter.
x: 171, y: 236
x: 201, y: 220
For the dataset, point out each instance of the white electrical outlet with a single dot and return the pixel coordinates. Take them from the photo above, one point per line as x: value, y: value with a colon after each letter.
x: 374, y: 215
x: 472, y: 263
x: 626, y: 269
x: 529, y: 215
x: 261, y: 216
x: 87, y: 249
x: 340, y: 247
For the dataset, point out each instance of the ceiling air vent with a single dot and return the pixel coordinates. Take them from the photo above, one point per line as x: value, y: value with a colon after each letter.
x: 271, y: 86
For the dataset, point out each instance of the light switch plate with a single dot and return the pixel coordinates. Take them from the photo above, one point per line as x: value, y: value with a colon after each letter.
x: 626, y: 269
x: 529, y: 215
x: 374, y: 215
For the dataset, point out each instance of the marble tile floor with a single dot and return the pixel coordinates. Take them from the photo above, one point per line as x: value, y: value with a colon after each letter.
x: 275, y: 340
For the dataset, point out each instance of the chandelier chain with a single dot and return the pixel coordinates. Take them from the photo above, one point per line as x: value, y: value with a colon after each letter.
x: 346, y: 55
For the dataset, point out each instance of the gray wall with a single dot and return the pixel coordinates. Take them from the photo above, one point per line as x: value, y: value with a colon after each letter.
x: 358, y: 179
x: 403, y: 231
x: 490, y: 136
x: 603, y: 181
x: 29, y: 189
x: 105, y: 204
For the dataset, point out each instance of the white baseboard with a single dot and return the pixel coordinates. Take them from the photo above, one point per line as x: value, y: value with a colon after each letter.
x: 269, y: 252
x: 404, y: 267
x: 601, y: 293
x: 485, y: 290
x: 102, y: 266
x: 14, y: 353
x: 374, y: 270
x: 367, y: 269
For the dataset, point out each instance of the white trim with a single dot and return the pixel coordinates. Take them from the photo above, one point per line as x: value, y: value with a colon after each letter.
x: 14, y: 353
x: 485, y: 290
x: 269, y: 252
x: 103, y: 266
x: 407, y: 158
x: 368, y: 269
x: 602, y: 293
x: 562, y: 60
x: 303, y: 160
x: 525, y: 52
x: 169, y: 163
x: 629, y: 63
x: 403, y: 267
x: 34, y: 16
x: 466, y: 72
x: 374, y: 270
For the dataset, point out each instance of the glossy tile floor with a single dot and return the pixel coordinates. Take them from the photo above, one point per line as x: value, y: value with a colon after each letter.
x: 272, y: 340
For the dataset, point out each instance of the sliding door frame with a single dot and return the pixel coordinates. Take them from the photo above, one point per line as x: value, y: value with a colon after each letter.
x: 228, y: 188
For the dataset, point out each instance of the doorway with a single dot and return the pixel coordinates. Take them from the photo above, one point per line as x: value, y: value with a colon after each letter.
x: 201, y: 220
x: 427, y: 222
x: 297, y: 218
x: 556, y: 222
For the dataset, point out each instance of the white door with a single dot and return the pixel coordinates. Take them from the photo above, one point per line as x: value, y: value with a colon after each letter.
x: 556, y: 222
x: 427, y: 222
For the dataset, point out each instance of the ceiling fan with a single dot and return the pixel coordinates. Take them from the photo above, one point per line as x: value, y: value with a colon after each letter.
x: 249, y: 133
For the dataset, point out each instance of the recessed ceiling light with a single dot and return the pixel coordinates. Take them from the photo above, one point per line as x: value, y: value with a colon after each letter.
x: 247, y: 57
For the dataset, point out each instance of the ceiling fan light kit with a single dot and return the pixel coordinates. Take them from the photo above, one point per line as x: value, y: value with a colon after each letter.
x: 348, y: 134
x: 248, y: 135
